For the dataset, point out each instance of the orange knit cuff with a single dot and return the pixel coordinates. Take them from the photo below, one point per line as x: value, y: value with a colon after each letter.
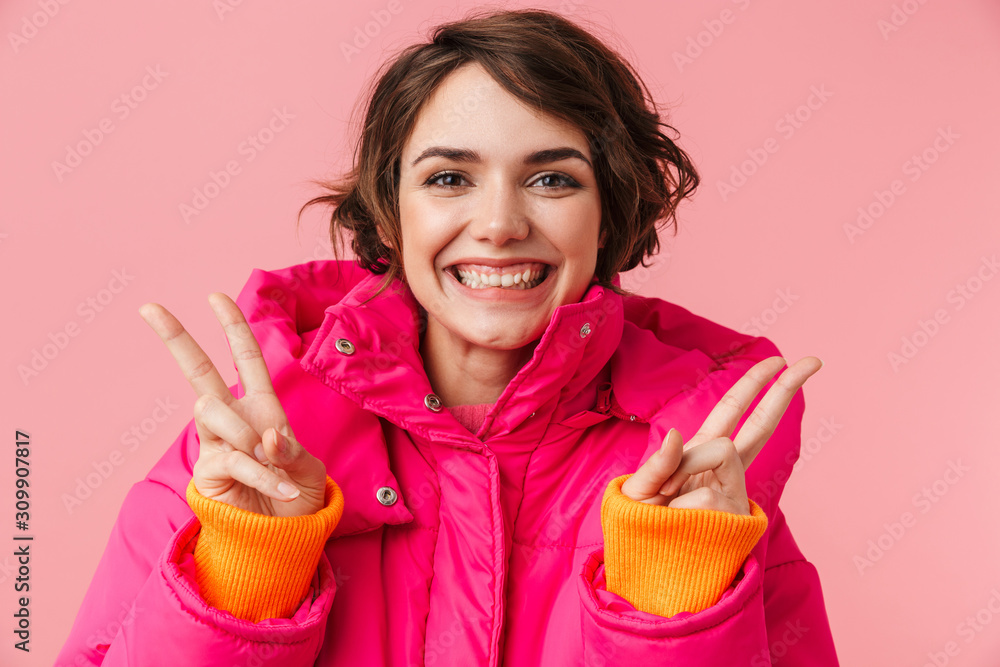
x: 665, y: 560
x: 256, y: 566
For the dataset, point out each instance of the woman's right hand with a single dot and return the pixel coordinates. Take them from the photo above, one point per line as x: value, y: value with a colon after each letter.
x: 230, y: 430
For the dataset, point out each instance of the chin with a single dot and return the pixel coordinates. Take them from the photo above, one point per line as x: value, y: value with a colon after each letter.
x: 511, y: 336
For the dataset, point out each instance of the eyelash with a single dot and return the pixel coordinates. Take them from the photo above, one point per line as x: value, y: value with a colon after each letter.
x: 567, y: 181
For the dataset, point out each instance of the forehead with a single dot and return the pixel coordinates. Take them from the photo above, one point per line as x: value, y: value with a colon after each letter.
x: 470, y: 109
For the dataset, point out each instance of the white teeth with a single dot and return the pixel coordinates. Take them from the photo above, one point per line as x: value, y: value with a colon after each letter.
x: 523, y: 280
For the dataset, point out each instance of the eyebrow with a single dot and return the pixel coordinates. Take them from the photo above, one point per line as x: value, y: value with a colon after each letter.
x: 469, y: 155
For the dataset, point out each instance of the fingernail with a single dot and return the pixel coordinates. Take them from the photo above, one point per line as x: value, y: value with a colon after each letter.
x: 665, y: 438
x: 820, y: 362
x: 258, y: 451
x: 280, y: 442
x: 287, y: 490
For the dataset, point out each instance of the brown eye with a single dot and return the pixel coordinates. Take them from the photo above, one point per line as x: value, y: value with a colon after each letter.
x: 444, y: 174
x: 563, y: 181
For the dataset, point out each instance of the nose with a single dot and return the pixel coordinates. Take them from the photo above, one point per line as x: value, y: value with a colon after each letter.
x: 500, y: 217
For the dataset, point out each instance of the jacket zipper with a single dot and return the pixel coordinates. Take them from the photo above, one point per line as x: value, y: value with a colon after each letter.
x: 607, y: 405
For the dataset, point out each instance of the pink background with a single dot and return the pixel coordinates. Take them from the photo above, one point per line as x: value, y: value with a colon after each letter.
x: 775, y: 248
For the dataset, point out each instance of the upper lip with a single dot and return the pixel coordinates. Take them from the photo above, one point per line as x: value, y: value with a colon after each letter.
x: 498, y: 262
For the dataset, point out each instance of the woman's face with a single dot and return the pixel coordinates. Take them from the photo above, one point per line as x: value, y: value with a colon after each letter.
x: 500, y: 213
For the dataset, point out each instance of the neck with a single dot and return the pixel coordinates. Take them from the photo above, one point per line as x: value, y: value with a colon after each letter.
x: 462, y: 373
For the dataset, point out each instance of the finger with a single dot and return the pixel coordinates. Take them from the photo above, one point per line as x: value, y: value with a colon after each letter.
x: 719, y: 456
x: 646, y: 482
x: 217, y: 473
x: 224, y: 424
x: 727, y: 412
x: 199, y: 370
x: 705, y: 498
x: 761, y: 423
x: 246, y: 352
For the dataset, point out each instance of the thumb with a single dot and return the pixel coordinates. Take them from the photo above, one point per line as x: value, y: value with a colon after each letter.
x: 645, y: 484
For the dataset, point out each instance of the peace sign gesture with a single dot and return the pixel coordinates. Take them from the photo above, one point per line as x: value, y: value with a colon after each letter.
x: 249, y: 457
x: 708, y: 472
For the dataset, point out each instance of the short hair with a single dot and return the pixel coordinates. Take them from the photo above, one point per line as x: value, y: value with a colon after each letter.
x: 552, y: 65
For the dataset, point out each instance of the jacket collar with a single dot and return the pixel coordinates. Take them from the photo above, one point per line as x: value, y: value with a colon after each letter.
x: 382, y: 371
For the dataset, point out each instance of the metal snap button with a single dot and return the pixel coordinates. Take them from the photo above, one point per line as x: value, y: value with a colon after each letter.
x: 345, y: 346
x: 432, y: 402
x: 386, y: 495
x: 585, y: 330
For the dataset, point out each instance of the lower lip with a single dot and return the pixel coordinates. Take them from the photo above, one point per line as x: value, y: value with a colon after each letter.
x: 536, y: 293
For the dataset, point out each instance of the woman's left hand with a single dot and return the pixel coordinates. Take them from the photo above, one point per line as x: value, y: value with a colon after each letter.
x: 709, y: 471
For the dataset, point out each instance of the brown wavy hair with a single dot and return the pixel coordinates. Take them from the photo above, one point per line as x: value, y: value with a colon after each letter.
x: 553, y: 65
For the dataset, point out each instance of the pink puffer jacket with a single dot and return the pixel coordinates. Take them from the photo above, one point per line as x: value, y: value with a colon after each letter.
x: 490, y: 550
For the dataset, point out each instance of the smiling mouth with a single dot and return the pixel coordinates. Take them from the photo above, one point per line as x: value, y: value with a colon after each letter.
x: 514, y: 277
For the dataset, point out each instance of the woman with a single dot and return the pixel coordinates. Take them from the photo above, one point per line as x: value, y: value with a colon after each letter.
x: 465, y: 448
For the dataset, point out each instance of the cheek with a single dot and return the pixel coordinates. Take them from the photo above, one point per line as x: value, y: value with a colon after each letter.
x: 422, y: 243
x: 580, y: 248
